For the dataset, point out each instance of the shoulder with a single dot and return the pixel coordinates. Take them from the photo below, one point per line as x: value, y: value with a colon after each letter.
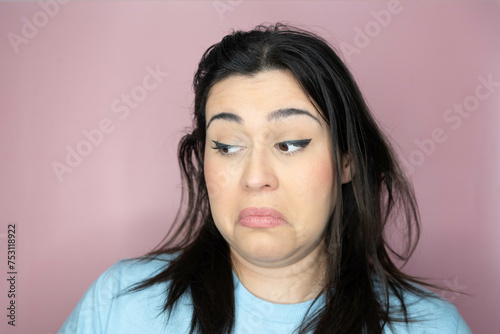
x: 428, y: 314
x: 106, y: 308
x: 129, y: 271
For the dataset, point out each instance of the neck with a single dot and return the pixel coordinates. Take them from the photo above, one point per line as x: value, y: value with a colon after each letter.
x: 292, y: 283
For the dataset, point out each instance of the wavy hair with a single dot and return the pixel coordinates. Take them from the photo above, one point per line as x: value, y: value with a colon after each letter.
x: 360, y: 261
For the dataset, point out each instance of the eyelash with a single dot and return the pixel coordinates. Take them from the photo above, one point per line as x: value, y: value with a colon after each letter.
x: 300, y: 143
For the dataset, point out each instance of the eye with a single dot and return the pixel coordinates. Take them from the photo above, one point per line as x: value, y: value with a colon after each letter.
x: 292, y: 146
x: 286, y: 147
x: 224, y: 149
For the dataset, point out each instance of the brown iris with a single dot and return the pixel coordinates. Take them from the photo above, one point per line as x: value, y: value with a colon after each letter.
x: 283, y: 146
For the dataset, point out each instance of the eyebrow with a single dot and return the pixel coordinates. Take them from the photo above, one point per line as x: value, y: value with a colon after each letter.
x: 274, y: 115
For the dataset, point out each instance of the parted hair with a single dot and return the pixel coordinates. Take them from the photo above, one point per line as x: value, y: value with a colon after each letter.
x: 363, y: 268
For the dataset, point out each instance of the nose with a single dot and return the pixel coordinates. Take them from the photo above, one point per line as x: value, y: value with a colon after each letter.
x: 259, y: 171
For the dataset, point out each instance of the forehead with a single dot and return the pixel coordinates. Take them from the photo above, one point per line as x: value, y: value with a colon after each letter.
x: 261, y: 93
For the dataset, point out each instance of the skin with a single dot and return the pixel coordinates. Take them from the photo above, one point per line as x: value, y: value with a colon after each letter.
x: 283, y: 264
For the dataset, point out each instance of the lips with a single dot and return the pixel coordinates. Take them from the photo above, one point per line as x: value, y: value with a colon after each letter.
x: 261, y: 218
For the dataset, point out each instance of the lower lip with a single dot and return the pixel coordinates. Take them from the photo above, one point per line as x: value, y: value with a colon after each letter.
x: 261, y: 222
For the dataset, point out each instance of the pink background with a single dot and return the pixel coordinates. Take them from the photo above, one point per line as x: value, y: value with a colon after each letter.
x: 120, y: 199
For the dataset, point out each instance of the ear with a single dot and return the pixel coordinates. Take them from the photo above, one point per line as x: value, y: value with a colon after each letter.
x: 347, y: 171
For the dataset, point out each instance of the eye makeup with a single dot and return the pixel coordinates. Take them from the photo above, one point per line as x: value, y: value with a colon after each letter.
x: 287, y: 147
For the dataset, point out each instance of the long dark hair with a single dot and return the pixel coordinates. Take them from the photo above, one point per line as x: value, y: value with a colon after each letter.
x: 362, y: 272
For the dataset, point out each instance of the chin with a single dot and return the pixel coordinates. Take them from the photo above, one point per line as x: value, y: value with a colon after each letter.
x: 265, y: 252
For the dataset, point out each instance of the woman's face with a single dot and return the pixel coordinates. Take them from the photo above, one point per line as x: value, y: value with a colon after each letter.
x: 268, y: 148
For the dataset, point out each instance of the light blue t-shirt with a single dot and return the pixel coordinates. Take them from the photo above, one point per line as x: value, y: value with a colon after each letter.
x: 136, y: 313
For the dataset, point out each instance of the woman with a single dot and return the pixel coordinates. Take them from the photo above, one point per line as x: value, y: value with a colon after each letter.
x: 290, y: 186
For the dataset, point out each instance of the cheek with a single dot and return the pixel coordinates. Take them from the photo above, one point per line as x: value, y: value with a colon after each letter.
x: 324, y: 174
x: 318, y: 184
x: 220, y: 176
x: 221, y: 193
x: 214, y: 179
